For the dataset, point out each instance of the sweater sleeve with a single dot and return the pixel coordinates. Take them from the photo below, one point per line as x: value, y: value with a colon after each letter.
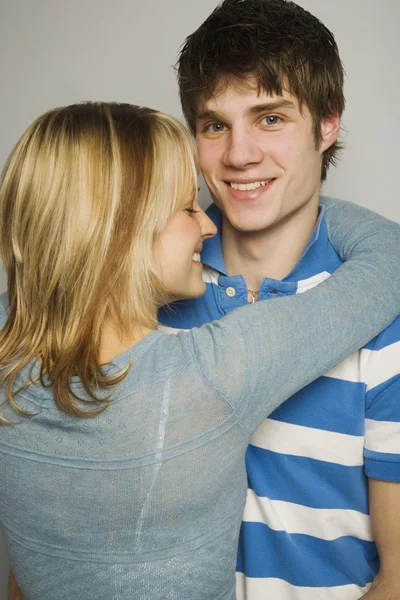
x: 261, y: 354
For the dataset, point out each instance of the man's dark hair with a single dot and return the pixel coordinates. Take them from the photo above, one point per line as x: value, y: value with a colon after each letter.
x: 276, y: 41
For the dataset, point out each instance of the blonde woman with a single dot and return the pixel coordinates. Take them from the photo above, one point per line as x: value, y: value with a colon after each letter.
x: 122, y: 448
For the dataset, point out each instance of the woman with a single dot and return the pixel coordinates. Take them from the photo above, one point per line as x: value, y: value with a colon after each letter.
x: 122, y: 450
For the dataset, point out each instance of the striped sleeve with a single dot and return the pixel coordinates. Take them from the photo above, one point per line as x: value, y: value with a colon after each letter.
x: 382, y: 424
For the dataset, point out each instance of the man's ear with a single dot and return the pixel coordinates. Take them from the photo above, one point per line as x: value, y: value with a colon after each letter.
x: 330, y: 128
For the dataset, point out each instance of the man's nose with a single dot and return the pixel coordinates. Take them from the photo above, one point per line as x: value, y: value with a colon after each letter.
x: 242, y: 150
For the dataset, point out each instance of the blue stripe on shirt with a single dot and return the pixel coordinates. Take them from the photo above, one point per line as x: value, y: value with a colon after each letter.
x: 383, y: 401
x: 281, y: 477
x: 391, y: 335
x: 344, y: 413
x: 382, y: 469
x: 262, y: 553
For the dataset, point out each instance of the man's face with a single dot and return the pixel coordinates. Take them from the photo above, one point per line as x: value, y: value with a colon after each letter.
x: 258, y: 156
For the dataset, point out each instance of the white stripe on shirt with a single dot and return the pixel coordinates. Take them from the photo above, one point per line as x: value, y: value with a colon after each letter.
x: 303, y: 285
x: 353, y: 368
x: 278, y: 589
x: 296, y: 440
x: 210, y: 275
x: 323, y: 523
x: 385, y: 364
x: 382, y: 436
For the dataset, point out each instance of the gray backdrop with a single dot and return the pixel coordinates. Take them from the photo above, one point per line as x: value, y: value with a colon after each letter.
x: 55, y: 52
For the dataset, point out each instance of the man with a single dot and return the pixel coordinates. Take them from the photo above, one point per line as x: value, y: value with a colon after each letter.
x: 261, y: 85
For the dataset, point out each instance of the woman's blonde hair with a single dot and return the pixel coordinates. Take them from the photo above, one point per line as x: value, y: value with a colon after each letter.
x: 82, y: 196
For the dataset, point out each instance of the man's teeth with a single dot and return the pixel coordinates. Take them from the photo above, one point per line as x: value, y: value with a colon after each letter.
x: 196, y: 257
x: 249, y: 186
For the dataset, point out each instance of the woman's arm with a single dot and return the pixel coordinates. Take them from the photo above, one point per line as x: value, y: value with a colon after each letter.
x: 260, y: 355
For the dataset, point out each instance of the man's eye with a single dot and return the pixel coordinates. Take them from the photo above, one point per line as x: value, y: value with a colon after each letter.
x: 271, y: 120
x: 215, y: 127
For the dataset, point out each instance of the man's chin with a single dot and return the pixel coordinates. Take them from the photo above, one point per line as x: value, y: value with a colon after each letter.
x: 248, y: 226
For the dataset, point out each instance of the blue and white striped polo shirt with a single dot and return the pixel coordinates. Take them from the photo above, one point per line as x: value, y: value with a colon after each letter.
x: 306, y: 532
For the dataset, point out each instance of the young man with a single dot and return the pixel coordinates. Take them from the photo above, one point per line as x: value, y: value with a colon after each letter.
x: 261, y: 85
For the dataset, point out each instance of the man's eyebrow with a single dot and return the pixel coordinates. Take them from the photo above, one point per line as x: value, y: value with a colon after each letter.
x: 252, y: 111
x: 269, y: 106
x: 209, y: 114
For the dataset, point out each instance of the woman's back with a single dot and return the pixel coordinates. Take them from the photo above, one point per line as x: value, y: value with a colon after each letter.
x: 143, y: 498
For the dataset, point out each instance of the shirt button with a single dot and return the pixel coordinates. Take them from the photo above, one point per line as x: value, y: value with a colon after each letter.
x: 231, y: 292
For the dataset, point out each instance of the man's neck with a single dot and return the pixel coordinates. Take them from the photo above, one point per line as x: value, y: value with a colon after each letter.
x: 273, y: 252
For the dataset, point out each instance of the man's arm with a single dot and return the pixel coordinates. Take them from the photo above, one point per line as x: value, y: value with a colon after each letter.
x: 384, y: 499
x: 14, y: 593
x: 382, y: 458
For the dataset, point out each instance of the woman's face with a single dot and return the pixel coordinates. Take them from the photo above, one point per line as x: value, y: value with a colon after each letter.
x: 177, y: 251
